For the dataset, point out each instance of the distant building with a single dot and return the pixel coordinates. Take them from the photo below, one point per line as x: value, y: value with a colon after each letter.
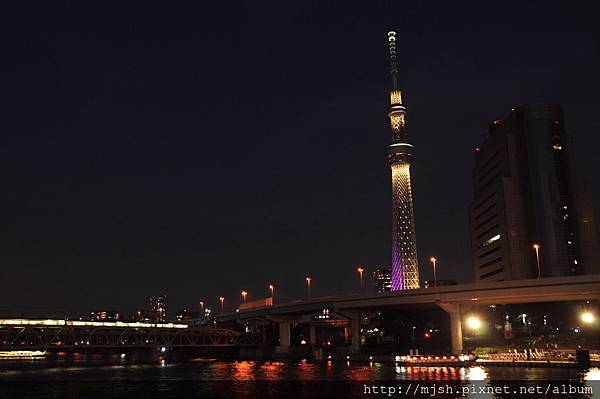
x: 382, y: 280
x: 439, y: 283
x: 158, y: 309
x: 138, y: 315
x: 185, y: 315
x: 105, y: 315
x: 526, y: 192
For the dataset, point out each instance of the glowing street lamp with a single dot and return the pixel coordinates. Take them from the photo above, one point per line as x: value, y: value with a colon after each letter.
x: 526, y: 323
x: 360, y: 271
x: 474, y: 323
x: 221, y: 299
x: 537, y: 247
x: 587, y: 317
x: 308, y: 280
x: 272, y: 288
x: 244, y: 294
x: 433, y: 261
x: 201, y: 308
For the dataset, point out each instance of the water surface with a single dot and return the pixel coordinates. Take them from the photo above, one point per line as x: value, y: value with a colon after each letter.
x: 115, y: 376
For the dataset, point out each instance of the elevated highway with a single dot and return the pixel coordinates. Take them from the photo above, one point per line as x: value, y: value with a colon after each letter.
x: 450, y: 298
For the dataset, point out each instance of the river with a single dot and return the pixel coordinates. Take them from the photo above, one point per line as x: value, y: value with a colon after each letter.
x: 115, y: 377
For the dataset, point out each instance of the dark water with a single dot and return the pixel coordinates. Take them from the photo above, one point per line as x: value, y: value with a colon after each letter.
x: 113, y: 377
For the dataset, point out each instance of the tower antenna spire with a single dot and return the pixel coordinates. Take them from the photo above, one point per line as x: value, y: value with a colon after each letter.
x: 393, y: 63
x: 405, y: 268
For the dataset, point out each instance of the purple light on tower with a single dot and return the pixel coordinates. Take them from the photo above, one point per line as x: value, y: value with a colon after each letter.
x: 405, y: 270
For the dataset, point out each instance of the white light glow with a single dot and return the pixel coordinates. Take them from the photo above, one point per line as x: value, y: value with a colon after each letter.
x: 78, y: 323
x: 587, y: 317
x: 491, y: 240
x: 474, y: 323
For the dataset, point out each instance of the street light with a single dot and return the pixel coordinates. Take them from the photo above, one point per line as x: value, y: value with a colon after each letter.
x: 201, y: 308
x: 433, y: 261
x: 221, y: 299
x: 272, y: 288
x: 587, y: 317
x: 244, y: 294
x: 526, y: 323
x: 474, y: 323
x: 308, y: 280
x: 360, y: 271
x: 537, y: 247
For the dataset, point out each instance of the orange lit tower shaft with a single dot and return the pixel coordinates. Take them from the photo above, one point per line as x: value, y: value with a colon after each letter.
x: 405, y: 269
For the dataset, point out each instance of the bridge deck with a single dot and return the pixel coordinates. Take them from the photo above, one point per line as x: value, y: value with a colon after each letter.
x: 555, y: 289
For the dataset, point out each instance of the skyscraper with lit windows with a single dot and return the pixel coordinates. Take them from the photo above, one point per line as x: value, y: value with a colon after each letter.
x: 527, y: 193
x: 405, y: 269
x: 382, y: 280
x: 158, y: 309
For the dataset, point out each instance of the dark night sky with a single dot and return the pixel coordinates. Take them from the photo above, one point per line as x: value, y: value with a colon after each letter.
x: 197, y: 149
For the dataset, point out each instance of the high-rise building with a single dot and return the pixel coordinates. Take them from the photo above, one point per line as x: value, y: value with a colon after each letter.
x: 530, y: 210
x: 382, y: 280
x: 405, y: 270
x: 158, y: 309
x: 105, y: 315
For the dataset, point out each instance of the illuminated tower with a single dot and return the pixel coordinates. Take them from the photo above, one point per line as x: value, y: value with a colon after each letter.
x: 405, y: 270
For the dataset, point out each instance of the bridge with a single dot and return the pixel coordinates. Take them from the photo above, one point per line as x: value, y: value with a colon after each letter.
x: 60, y: 335
x: 453, y: 299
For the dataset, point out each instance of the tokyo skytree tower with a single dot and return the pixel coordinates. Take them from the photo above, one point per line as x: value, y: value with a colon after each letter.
x: 405, y: 270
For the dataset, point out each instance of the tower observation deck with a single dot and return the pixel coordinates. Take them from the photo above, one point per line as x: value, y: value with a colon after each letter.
x: 405, y: 269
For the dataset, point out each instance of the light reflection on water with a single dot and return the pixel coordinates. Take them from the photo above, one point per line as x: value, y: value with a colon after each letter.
x: 278, y: 370
x: 593, y: 375
x: 477, y: 374
x: 305, y: 371
x: 235, y: 375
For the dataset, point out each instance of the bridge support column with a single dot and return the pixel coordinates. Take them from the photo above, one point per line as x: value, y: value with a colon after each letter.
x: 284, y: 337
x: 355, y: 332
x: 285, y: 325
x: 456, y: 332
x: 455, y: 325
x: 313, y: 336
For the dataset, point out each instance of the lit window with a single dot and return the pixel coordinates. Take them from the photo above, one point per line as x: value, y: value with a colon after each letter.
x: 491, y: 240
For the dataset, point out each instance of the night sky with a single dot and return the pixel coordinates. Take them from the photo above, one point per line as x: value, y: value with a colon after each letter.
x: 198, y: 149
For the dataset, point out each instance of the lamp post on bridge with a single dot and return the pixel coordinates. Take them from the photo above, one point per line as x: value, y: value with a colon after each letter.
x: 221, y: 299
x: 308, y: 280
x: 244, y: 295
x: 537, y: 247
x: 360, y: 271
x: 272, y: 288
x: 433, y: 260
x: 201, y: 308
